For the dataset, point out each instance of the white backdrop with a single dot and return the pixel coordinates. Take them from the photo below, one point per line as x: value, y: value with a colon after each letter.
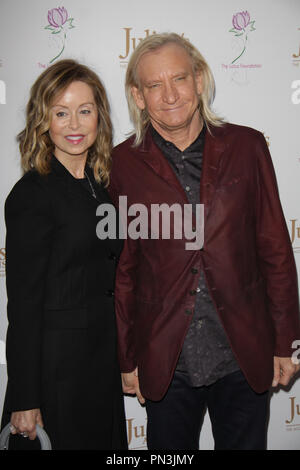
x: 257, y: 74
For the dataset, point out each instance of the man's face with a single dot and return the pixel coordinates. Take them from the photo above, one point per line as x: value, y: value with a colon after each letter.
x: 169, y: 88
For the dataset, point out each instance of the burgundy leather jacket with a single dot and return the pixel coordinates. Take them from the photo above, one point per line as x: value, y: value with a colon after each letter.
x: 247, y: 260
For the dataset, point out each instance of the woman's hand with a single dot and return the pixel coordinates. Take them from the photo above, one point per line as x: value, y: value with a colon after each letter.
x: 24, y: 422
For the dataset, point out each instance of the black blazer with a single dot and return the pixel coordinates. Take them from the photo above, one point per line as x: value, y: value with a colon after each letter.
x: 60, y: 283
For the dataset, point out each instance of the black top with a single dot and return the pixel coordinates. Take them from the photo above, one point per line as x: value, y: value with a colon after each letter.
x: 61, y: 338
x: 206, y: 355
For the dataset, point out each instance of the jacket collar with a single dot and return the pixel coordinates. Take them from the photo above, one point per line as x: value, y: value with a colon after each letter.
x: 153, y: 156
x: 214, y: 148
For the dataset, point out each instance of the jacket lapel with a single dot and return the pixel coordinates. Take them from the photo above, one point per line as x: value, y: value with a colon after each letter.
x: 154, y: 157
x: 213, y: 149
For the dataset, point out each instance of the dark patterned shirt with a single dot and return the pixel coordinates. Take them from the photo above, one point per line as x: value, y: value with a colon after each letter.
x: 206, y: 355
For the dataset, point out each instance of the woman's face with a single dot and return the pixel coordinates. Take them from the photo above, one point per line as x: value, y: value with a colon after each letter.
x: 74, y: 121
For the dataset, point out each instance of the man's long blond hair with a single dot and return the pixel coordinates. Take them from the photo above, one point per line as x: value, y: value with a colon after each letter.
x: 35, y: 144
x: 140, y: 118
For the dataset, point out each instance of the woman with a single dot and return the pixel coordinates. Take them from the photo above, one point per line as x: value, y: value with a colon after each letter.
x: 61, y: 340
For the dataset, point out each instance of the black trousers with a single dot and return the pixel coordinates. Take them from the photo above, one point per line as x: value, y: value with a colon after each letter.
x: 238, y: 415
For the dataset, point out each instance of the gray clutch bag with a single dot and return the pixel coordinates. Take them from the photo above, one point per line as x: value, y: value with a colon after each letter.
x: 41, y: 435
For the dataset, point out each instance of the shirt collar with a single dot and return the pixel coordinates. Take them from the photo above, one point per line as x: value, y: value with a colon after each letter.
x: 165, y: 144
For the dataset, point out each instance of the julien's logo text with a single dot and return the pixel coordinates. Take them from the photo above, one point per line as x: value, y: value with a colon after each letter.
x: 131, y: 42
x: 135, y: 432
x: 2, y: 260
x: 295, y: 410
x: 295, y: 232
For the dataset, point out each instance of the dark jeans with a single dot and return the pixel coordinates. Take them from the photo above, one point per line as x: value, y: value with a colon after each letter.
x: 238, y: 415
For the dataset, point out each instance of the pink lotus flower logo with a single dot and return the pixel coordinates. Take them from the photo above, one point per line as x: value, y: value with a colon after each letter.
x: 241, y: 20
x: 59, y: 23
x: 57, y: 17
x: 242, y: 26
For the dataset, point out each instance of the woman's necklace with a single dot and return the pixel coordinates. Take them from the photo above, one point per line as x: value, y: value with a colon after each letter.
x: 91, y: 186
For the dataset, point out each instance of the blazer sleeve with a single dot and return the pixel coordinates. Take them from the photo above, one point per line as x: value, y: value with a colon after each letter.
x: 125, y: 288
x: 275, y: 256
x: 28, y: 243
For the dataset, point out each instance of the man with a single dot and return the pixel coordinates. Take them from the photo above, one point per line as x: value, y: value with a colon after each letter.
x: 209, y: 327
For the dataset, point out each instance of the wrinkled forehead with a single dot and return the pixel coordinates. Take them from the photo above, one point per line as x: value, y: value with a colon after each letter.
x: 161, y: 58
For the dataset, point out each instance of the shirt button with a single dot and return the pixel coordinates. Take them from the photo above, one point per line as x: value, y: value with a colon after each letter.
x: 187, y: 188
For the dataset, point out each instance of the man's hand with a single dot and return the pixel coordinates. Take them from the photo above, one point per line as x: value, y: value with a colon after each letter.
x: 131, y: 385
x: 284, y: 369
x: 24, y: 422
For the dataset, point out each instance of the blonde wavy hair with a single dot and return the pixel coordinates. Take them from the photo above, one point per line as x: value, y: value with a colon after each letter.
x: 140, y: 118
x: 35, y: 145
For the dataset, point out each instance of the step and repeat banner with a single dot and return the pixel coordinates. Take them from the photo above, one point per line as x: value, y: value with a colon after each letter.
x: 253, y: 48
